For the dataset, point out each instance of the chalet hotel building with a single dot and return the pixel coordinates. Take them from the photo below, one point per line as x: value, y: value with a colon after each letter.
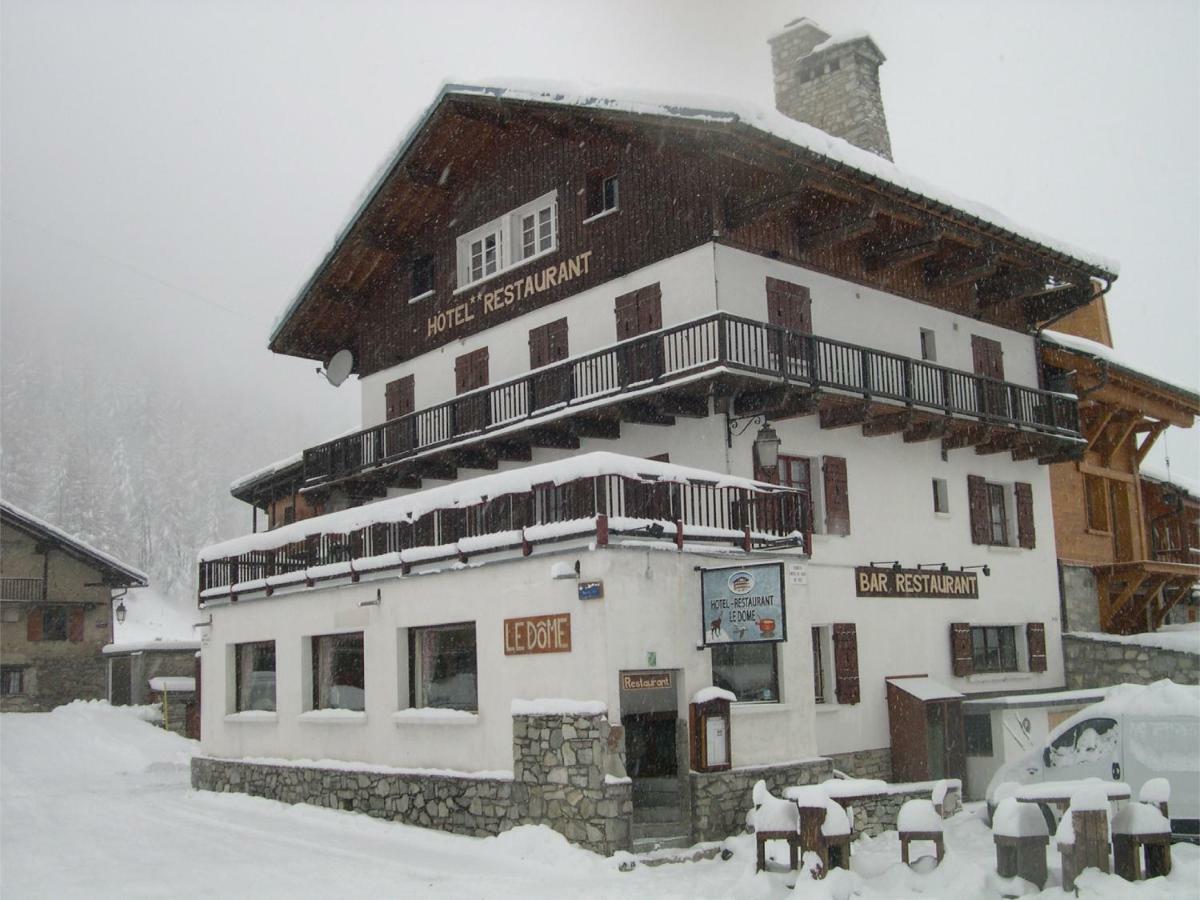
x: 691, y: 434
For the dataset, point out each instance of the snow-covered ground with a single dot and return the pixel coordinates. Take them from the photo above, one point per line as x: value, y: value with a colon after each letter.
x: 94, y: 802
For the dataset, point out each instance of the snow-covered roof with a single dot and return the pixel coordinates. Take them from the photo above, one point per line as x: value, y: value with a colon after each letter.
x: 1096, y: 350
x: 124, y: 573
x: 925, y: 688
x: 1156, y: 471
x: 143, y: 646
x: 172, y: 684
x: 280, y: 465
x: 718, y: 111
x: 475, y: 490
x: 1162, y: 698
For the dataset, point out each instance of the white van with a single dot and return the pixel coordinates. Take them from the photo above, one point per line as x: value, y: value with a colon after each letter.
x: 1136, y: 733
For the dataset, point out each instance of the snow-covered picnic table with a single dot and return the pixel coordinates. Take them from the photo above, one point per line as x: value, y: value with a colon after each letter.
x: 1060, y: 792
x: 844, y: 790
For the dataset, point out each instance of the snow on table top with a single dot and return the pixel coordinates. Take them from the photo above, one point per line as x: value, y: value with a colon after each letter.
x: 17, y: 513
x: 918, y: 815
x: 1140, y: 818
x: 1184, y: 638
x: 1015, y: 819
x: 172, y: 683
x: 1155, y: 790
x: 1083, y: 787
x: 1109, y: 355
x: 559, y: 706
x: 925, y: 688
x: 701, y: 108
x: 411, y: 507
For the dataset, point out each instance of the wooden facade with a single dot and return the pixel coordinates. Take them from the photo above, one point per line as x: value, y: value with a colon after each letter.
x: 1102, y: 518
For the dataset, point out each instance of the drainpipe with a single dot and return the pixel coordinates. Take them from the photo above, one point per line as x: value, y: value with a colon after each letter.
x: 1102, y: 363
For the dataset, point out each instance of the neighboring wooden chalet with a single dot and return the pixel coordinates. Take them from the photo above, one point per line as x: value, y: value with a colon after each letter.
x: 1125, y: 552
x: 658, y: 395
x: 56, y: 596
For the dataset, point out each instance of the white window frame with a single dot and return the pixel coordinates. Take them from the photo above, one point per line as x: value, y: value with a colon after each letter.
x: 941, y: 497
x: 928, y: 344
x: 509, y: 233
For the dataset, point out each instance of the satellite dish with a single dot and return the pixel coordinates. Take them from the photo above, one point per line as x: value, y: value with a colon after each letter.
x: 338, y: 368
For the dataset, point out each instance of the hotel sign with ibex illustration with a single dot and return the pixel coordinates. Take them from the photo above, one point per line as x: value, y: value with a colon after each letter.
x: 487, y: 301
x: 743, y: 605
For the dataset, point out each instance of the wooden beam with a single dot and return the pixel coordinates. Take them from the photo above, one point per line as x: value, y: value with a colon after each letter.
x: 1001, y: 442
x: 1014, y: 284
x: 436, y: 469
x: 966, y: 436
x: 905, y: 248
x: 404, y: 478
x: 926, y: 431
x: 480, y: 457
x: 643, y: 413
x: 512, y: 450
x: 877, y: 426
x: 1112, y: 606
x: 847, y: 227
x: 1120, y: 438
x: 550, y: 436
x: 795, y: 403
x: 942, y: 274
x: 748, y: 212
x: 1169, y: 600
x: 1034, y: 449
x: 678, y: 403
x: 1098, y: 428
x: 1144, y: 447
x: 596, y: 427
x: 845, y: 414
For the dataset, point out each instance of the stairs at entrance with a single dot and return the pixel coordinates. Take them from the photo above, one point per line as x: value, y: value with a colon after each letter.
x: 658, y: 821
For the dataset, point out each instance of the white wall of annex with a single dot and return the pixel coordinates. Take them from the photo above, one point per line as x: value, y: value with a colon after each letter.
x: 687, y: 292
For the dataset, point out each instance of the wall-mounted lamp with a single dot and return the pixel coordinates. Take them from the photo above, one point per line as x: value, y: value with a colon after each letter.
x: 119, y: 612
x: 894, y: 563
x: 941, y: 567
x: 654, y: 530
x: 986, y: 570
x: 378, y: 599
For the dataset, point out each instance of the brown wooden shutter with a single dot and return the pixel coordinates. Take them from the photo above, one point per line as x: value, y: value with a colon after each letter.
x: 789, y: 305
x: 548, y: 344
x: 399, y: 397
x: 977, y: 502
x: 845, y: 662
x: 75, y: 624
x: 639, y: 312
x: 33, y: 624
x: 1035, y: 634
x: 471, y: 370
x: 960, y: 649
x: 988, y: 357
x: 837, y: 496
x: 626, y: 313
x: 1025, y: 533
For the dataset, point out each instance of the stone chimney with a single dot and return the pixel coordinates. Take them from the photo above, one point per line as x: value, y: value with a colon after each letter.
x: 831, y: 83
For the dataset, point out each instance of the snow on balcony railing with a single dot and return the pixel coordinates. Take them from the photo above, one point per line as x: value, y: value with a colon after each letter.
x: 673, y: 354
x: 602, y: 494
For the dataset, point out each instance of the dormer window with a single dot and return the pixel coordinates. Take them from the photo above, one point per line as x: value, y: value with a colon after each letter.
x: 515, y: 238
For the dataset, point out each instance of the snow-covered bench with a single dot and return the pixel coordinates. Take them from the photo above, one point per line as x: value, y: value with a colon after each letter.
x: 774, y: 819
x: 1139, y: 828
x: 1020, y: 834
x: 1082, y: 835
x: 919, y: 821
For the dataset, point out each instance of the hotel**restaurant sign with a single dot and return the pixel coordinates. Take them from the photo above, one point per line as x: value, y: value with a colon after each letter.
x: 743, y: 604
x: 871, y: 582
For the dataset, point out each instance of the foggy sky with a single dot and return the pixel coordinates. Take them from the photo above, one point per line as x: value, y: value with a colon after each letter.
x: 203, y: 155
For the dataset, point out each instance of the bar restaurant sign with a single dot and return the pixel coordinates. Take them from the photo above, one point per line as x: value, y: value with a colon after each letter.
x: 870, y: 582
x: 743, y: 604
x: 538, y: 634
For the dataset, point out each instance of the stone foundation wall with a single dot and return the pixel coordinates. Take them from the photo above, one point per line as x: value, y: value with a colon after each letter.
x: 865, y: 763
x: 1095, y: 662
x: 873, y: 817
x: 720, y: 800
x: 54, y: 680
x: 559, y: 779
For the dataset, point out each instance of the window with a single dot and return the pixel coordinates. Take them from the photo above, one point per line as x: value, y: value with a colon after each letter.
x: 443, y: 668
x: 820, y: 650
x: 978, y: 731
x: 1091, y: 742
x: 54, y: 623
x: 928, y: 345
x: 941, y: 499
x: 524, y: 233
x: 994, y: 648
x: 750, y: 671
x: 255, y: 674
x: 1096, y: 498
x: 795, y: 472
x: 337, y: 661
x: 993, y: 507
x: 12, y: 680
x: 422, y: 277
x: 10, y: 614
x: 602, y: 193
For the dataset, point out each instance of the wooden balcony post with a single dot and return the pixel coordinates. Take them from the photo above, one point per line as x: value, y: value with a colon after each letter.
x: 746, y: 545
x: 679, y: 533
x: 602, y: 530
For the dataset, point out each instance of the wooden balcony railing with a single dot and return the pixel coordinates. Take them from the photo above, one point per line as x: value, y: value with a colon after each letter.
x: 612, y: 505
x: 29, y: 589
x: 671, y: 354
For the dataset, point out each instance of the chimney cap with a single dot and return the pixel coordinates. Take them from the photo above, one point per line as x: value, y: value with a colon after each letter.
x: 795, y: 25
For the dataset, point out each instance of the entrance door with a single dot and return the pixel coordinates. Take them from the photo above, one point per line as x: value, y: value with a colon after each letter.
x: 120, y: 680
x: 650, y: 716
